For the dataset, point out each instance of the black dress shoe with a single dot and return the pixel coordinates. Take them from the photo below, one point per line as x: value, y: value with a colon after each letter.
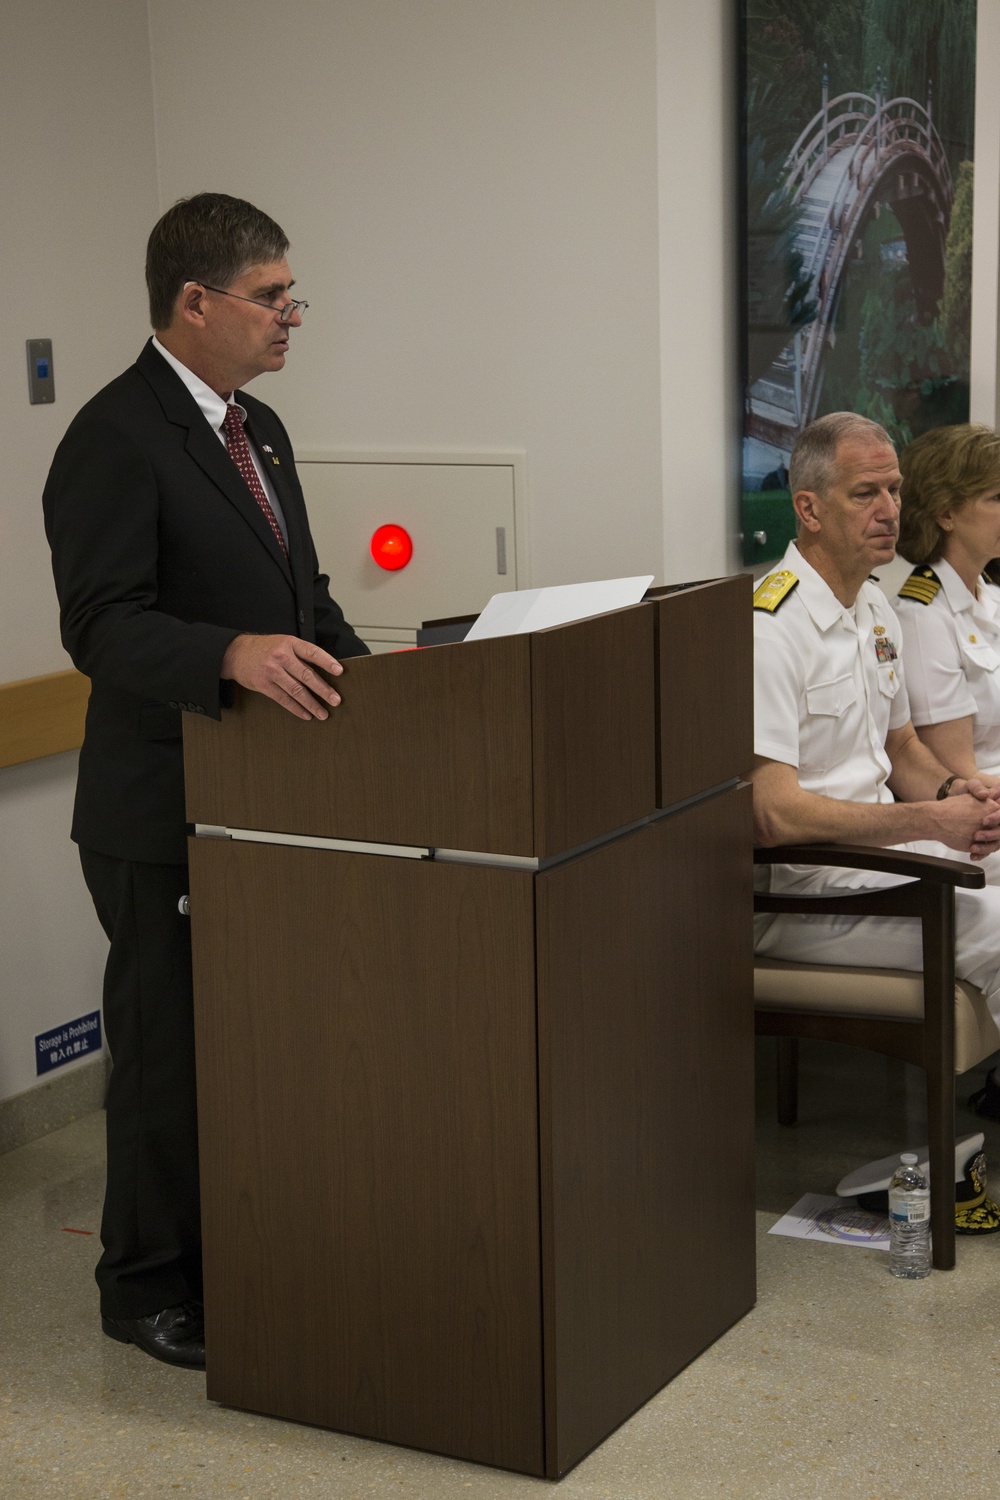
x: 986, y: 1101
x: 176, y: 1335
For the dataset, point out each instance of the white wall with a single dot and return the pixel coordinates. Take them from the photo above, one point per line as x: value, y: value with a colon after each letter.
x: 53, y: 948
x: 700, y: 390
x: 514, y: 223
x: 984, y: 399
x: 77, y: 180
x: 78, y: 184
x: 487, y: 205
x: 471, y: 193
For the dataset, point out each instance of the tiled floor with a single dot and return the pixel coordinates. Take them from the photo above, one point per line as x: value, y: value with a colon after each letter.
x: 842, y: 1382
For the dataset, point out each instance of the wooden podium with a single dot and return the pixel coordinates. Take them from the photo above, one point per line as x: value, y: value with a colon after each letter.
x: 476, y: 1096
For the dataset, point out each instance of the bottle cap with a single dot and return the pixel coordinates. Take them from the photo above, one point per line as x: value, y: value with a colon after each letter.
x: 909, y: 1158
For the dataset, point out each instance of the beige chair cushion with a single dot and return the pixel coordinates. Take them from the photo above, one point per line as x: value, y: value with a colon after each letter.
x: 895, y: 994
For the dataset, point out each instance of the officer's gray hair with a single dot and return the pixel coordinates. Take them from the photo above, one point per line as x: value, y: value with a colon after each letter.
x: 813, y: 462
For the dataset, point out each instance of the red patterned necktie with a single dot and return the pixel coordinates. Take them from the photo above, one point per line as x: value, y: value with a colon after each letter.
x: 239, y: 452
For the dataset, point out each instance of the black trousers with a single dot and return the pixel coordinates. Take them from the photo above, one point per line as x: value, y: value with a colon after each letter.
x: 151, y: 1227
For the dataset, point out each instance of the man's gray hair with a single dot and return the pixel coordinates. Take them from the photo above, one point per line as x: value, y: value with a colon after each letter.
x: 813, y: 462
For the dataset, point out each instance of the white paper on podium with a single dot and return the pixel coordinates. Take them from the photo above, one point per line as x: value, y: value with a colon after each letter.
x: 538, y: 609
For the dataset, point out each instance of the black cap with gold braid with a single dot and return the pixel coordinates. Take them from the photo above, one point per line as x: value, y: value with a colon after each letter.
x: 975, y: 1212
x: 922, y: 585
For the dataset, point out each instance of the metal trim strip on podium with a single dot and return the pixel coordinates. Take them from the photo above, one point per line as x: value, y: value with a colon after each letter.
x: 452, y: 856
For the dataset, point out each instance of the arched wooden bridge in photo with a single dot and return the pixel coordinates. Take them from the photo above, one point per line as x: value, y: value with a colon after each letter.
x: 858, y: 151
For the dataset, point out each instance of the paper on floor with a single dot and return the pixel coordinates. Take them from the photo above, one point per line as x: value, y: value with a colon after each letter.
x: 836, y: 1221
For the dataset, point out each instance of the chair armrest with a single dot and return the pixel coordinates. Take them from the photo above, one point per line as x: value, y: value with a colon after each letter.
x: 926, y: 867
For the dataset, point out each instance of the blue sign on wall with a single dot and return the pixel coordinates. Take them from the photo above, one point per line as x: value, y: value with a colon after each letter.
x: 76, y: 1039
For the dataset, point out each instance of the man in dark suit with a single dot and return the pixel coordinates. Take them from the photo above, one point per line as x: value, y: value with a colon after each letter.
x: 183, y: 563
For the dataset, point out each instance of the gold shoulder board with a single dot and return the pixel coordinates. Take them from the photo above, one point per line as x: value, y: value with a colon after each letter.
x: 922, y: 585
x: 774, y: 590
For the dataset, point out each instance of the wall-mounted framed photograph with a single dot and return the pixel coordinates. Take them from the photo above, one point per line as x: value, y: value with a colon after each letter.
x: 857, y: 187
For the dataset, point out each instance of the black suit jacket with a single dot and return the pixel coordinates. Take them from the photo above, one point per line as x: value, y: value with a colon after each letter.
x: 161, y: 557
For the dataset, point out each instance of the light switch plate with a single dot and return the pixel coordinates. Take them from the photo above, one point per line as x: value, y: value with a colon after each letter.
x: 41, y: 376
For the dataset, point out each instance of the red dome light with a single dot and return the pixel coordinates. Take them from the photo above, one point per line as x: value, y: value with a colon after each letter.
x: 391, y: 547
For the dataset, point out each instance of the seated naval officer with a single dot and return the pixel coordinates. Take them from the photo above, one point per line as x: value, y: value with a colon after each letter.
x: 833, y: 739
x: 948, y: 608
x: 949, y: 613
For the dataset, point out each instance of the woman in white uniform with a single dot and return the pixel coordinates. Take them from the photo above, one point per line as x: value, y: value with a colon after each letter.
x: 949, y: 613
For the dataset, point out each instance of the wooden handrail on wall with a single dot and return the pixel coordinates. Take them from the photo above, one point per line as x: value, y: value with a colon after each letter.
x: 42, y: 716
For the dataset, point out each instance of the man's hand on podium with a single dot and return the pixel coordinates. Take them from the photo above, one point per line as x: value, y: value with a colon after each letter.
x: 281, y: 667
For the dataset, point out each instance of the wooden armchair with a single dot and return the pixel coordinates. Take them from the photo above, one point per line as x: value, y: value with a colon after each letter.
x: 929, y: 1019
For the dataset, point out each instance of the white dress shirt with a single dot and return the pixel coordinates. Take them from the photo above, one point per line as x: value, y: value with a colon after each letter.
x: 213, y: 409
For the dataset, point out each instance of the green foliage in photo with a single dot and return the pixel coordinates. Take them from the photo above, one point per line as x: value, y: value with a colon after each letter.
x: 886, y: 363
x: 956, y: 301
x: 930, y: 42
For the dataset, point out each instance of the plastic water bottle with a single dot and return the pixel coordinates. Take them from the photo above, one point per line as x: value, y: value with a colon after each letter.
x: 909, y: 1220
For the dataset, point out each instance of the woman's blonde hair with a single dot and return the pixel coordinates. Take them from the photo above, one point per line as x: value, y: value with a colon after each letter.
x: 943, y: 470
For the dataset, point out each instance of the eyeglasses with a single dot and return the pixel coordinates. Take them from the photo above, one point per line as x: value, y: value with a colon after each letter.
x: 286, y: 311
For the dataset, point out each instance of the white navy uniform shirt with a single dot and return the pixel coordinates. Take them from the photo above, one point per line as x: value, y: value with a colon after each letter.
x: 953, y: 660
x: 828, y: 687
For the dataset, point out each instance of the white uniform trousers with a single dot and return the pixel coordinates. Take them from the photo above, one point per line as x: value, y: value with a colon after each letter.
x: 894, y: 942
x: 990, y: 866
